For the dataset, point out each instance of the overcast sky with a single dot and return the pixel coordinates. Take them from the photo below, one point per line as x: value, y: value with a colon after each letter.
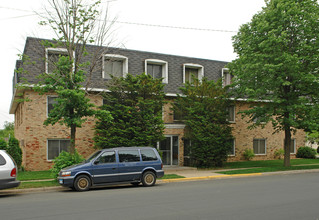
x: 201, y: 28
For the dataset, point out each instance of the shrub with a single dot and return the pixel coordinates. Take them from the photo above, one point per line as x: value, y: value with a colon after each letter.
x: 3, y: 144
x: 318, y: 150
x: 65, y: 159
x: 15, y: 151
x: 306, y: 152
x: 279, y: 153
x: 248, y: 154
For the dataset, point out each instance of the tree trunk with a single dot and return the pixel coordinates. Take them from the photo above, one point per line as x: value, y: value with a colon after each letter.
x: 287, y: 146
x: 72, y: 142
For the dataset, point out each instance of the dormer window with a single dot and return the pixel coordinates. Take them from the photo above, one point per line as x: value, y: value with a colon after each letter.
x: 227, y: 77
x: 192, y: 70
x: 114, y: 65
x: 157, y: 69
x: 52, y: 57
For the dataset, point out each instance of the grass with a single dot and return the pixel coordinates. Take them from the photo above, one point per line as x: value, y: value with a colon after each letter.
x: 269, y: 166
x: 171, y: 176
x: 35, y: 175
x: 39, y: 184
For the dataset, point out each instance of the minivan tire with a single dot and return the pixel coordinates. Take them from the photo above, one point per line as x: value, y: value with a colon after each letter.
x: 148, y: 178
x: 82, y: 183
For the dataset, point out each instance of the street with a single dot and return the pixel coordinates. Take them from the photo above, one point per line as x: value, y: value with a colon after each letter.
x: 293, y: 196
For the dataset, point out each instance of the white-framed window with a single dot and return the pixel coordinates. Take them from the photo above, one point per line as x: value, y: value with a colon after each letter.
x: 231, y: 114
x: 52, y: 56
x: 115, y: 65
x: 293, y: 146
x: 56, y: 146
x: 190, y: 70
x: 259, y: 146
x: 258, y: 119
x: 51, y: 100
x: 157, y: 69
x: 226, y: 77
x: 232, y: 152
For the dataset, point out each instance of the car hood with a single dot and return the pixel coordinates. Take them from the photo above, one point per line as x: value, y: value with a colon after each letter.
x: 75, y: 166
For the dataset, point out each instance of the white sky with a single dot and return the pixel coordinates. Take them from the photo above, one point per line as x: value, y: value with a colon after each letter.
x: 17, y: 21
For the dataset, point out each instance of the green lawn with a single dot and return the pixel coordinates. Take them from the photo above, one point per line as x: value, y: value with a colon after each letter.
x: 35, y: 175
x: 39, y: 184
x: 269, y: 166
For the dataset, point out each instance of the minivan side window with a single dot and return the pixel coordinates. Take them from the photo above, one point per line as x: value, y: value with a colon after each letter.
x: 129, y: 156
x: 2, y: 160
x: 107, y: 157
x: 148, y: 155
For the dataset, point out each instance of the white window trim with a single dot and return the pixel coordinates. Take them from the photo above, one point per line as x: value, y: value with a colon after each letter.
x: 234, y: 148
x: 195, y: 66
x: 54, y: 139
x: 265, y: 145
x: 52, y: 96
x: 55, y: 50
x: 234, y: 121
x: 164, y: 65
x: 116, y: 57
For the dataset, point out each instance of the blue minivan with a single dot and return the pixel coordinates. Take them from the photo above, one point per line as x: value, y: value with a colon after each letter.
x: 113, y: 166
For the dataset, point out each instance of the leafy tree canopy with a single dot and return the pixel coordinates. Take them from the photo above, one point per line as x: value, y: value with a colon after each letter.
x: 278, y: 63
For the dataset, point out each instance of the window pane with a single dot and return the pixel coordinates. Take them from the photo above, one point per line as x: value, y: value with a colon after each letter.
x: 53, y: 149
x: 108, y: 66
x: 292, y: 146
x: 51, y: 102
x: 129, y: 156
x: 117, y: 68
x: 64, y: 145
x: 52, y: 60
x: 231, y: 113
x: 154, y: 70
x: 262, y: 146
x: 259, y: 146
x: 107, y: 157
x: 232, y: 150
x: 255, y: 146
x: 189, y: 73
x: 148, y: 155
x: 2, y: 160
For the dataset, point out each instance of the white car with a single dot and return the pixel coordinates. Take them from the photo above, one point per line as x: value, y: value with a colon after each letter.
x: 8, y: 171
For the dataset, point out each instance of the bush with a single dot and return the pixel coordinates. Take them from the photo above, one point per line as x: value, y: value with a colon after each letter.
x: 65, y: 159
x: 279, y: 153
x: 15, y: 151
x: 318, y: 150
x: 3, y: 144
x: 248, y: 154
x: 306, y: 152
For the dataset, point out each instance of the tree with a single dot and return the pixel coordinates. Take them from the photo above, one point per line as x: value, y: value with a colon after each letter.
x: 203, y: 108
x: 76, y: 23
x: 15, y: 151
x: 8, y: 130
x: 135, y: 103
x: 277, y: 66
x: 3, y: 144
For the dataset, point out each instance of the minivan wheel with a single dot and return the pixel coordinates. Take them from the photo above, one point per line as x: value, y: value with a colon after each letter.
x: 82, y: 183
x: 148, y: 178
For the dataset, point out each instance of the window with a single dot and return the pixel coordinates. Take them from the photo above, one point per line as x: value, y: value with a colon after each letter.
x: 259, y: 146
x: 157, y: 69
x: 190, y: 70
x: 55, y: 147
x: 227, y: 77
x: 115, y: 65
x: 293, y: 146
x: 129, y: 156
x: 107, y: 157
x: 148, y: 155
x: 51, y: 100
x: 2, y: 160
x: 232, y: 152
x: 52, y: 57
x: 231, y: 114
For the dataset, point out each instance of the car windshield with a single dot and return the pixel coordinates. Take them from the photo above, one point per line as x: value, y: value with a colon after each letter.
x: 90, y: 158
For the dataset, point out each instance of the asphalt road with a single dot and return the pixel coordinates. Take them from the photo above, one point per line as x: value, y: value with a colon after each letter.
x: 293, y: 196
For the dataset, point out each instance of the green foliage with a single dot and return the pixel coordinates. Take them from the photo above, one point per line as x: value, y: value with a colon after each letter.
x: 306, y: 152
x: 279, y: 153
x: 318, y: 150
x: 65, y: 159
x: 3, y: 144
x: 15, y: 151
x: 8, y: 130
x: 203, y: 106
x: 248, y: 154
x: 135, y: 103
x: 278, y: 62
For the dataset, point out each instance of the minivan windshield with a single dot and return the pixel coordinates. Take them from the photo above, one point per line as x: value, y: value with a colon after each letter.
x: 94, y: 155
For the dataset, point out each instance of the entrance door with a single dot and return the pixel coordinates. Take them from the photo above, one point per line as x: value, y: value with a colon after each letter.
x: 169, y: 147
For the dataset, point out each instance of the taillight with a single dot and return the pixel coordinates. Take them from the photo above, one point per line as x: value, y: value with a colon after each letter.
x: 162, y: 165
x: 13, y: 172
